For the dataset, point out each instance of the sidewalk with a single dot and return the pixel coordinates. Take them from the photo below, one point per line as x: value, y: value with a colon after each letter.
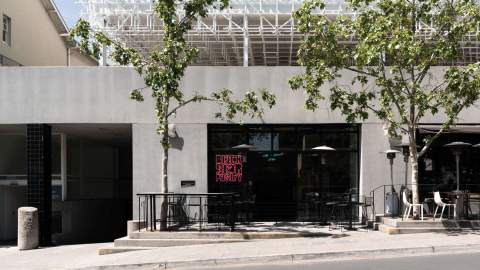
x: 334, y: 244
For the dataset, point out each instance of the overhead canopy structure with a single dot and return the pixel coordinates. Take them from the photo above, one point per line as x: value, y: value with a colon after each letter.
x: 250, y: 32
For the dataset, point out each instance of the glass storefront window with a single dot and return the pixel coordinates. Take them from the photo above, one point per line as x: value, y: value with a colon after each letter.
x: 261, y: 140
x: 222, y: 141
x: 283, y: 168
x: 437, y: 169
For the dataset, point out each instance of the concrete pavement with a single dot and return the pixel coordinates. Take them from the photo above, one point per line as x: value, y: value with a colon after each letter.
x: 333, y: 245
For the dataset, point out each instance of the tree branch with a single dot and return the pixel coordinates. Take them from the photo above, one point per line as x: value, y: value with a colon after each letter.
x: 182, y: 104
x: 391, y: 121
x: 361, y: 72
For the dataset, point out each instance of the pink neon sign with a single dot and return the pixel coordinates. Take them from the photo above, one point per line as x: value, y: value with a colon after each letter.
x: 229, y: 168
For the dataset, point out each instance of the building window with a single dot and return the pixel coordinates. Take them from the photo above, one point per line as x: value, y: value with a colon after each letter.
x: 280, y: 172
x: 7, y: 30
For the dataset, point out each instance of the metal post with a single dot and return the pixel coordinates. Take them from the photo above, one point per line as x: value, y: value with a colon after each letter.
x: 457, y: 160
x: 200, y: 216
x: 245, y: 41
x: 151, y: 212
x: 103, y: 61
x: 350, y: 211
x: 154, y: 218
x: 384, y: 200
x: 139, y: 214
x: 63, y: 165
x: 391, y: 175
x: 145, y: 211
x: 233, y: 213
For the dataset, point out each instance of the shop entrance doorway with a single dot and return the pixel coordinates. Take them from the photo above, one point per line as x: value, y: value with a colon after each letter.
x: 273, y: 180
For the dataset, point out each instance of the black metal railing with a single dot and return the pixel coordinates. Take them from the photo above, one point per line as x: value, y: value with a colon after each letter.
x: 197, y: 211
x: 202, y: 211
x: 347, y: 209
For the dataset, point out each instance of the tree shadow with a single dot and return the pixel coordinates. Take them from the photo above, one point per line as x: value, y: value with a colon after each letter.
x: 298, y: 229
x: 177, y: 143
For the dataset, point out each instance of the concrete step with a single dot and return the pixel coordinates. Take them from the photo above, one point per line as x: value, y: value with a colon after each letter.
x: 444, y: 223
x: 379, y: 218
x: 219, y: 235
x: 395, y: 230
x: 129, y: 242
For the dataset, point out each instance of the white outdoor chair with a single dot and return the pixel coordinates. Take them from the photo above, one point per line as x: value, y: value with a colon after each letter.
x: 440, y: 203
x: 409, y: 206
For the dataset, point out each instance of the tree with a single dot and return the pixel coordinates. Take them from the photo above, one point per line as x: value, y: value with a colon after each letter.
x: 163, y: 68
x: 390, y: 47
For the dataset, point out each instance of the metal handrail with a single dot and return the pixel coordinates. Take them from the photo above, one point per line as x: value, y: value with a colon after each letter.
x: 187, y: 209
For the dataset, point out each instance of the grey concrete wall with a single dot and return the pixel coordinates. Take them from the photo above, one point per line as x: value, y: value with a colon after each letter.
x: 101, y: 95
x: 187, y: 159
x: 375, y: 167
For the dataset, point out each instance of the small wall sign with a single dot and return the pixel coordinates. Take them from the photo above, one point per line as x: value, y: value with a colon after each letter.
x: 187, y: 183
x: 229, y: 168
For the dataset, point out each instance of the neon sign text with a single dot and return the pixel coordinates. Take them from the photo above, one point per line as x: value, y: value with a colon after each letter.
x: 229, y: 168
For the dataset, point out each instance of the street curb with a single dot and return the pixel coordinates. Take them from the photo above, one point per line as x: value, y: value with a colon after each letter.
x: 293, y: 257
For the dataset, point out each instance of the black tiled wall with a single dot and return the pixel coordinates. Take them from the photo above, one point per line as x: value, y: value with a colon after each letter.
x: 39, y: 192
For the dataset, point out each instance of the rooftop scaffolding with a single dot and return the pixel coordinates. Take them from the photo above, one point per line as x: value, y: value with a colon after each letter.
x: 250, y: 32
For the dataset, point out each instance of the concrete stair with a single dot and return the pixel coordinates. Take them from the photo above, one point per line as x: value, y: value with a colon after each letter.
x: 141, y: 240
x: 167, y: 242
x: 209, y: 235
x: 399, y: 226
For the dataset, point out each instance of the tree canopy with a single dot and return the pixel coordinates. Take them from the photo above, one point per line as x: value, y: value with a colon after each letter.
x: 165, y: 65
x: 390, y: 47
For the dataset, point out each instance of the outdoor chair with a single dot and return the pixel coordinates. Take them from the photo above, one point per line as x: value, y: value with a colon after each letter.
x: 409, y: 206
x: 440, y: 203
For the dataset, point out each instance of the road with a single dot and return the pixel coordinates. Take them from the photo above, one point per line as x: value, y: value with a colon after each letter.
x: 464, y: 261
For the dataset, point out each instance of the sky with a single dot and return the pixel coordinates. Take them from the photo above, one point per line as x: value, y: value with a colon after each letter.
x: 70, y: 11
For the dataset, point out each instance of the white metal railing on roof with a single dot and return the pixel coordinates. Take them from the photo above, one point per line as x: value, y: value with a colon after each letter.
x: 249, y: 32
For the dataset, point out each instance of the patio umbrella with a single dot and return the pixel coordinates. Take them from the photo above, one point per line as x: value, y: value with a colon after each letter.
x: 244, y: 147
x: 323, y: 149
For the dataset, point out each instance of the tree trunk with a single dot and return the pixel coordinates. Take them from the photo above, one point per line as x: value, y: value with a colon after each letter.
x: 164, y: 188
x: 414, y: 165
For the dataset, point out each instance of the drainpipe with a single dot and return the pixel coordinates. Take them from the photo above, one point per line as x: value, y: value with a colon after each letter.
x: 68, y: 56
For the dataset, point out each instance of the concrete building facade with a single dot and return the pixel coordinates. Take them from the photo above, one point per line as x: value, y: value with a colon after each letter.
x: 105, y: 149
